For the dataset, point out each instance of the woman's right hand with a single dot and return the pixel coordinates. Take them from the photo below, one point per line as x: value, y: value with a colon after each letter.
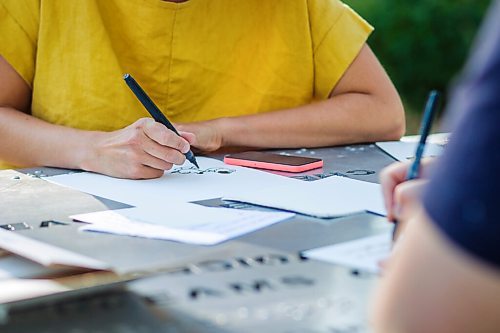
x: 142, y: 150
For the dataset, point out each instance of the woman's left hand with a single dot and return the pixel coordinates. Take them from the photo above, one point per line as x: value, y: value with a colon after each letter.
x: 207, y: 135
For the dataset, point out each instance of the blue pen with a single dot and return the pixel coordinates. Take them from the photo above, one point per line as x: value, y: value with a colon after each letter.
x: 425, y: 128
x: 154, y: 111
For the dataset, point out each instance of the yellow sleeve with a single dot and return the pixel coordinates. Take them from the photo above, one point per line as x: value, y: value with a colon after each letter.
x: 19, y: 21
x: 338, y: 34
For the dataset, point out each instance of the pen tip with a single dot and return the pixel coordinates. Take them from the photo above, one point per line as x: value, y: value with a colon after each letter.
x: 190, y: 157
x: 125, y: 76
x: 194, y: 162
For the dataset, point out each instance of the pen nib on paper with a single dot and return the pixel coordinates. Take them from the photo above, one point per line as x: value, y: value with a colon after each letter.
x: 190, y: 157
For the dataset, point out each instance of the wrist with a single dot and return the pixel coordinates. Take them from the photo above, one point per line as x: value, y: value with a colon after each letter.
x: 226, y: 128
x: 86, y: 153
x: 221, y: 131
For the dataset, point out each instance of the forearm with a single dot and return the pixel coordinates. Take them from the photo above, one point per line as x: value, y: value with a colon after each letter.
x: 28, y: 141
x: 343, y: 119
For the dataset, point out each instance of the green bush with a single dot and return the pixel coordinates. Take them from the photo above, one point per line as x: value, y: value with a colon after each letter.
x: 422, y: 44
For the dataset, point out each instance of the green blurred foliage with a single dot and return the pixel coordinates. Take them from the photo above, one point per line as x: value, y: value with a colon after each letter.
x: 422, y: 44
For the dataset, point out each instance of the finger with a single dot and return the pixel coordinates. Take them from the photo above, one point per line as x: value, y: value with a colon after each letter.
x: 409, y: 192
x: 140, y: 171
x: 156, y: 163
x: 406, y: 197
x: 150, y: 152
x: 163, y: 153
x: 387, y: 183
x: 165, y: 137
x: 390, y: 177
x: 141, y: 165
x: 426, y: 165
x: 145, y: 172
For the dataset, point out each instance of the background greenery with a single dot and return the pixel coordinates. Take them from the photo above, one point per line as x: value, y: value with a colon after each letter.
x: 422, y: 44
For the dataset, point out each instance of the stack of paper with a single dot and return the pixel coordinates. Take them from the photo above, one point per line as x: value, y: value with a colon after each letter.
x: 45, y: 254
x: 184, y: 222
x: 21, y: 289
x: 30, y: 259
x: 77, y: 284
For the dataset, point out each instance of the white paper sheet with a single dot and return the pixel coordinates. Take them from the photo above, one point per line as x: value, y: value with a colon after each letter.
x: 403, y: 151
x: 329, y: 197
x: 183, y: 222
x: 45, y: 254
x: 435, y: 138
x: 363, y: 254
x: 173, y: 186
x: 13, y: 266
x: 20, y: 289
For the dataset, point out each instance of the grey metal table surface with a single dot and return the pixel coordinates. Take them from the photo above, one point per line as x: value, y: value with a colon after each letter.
x: 258, y: 281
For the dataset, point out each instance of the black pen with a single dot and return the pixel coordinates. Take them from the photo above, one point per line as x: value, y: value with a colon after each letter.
x: 154, y: 111
x: 425, y: 128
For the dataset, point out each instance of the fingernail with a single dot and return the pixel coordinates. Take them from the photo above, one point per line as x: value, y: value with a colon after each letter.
x: 149, y: 123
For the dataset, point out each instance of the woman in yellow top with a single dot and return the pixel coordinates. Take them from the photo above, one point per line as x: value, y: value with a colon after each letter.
x: 254, y: 73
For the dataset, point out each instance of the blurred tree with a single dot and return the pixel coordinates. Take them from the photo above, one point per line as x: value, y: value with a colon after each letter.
x: 422, y: 44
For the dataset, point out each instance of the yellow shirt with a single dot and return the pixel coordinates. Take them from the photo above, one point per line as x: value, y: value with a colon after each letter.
x: 198, y: 60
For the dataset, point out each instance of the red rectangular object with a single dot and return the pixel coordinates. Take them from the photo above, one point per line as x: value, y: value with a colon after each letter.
x: 270, y: 161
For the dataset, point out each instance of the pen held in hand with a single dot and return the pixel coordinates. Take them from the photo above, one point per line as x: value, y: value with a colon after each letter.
x: 154, y: 111
x: 425, y: 128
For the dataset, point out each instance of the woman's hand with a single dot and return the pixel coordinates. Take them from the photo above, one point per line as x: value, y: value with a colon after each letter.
x: 144, y: 149
x: 206, y: 135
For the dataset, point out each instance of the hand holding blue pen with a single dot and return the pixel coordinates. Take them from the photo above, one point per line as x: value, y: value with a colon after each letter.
x: 154, y: 111
x: 425, y: 127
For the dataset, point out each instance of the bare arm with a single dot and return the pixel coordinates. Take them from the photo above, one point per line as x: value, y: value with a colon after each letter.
x: 432, y: 286
x: 363, y: 107
x: 143, y: 150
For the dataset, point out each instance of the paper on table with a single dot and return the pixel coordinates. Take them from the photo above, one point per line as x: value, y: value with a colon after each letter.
x: 183, y: 222
x: 329, y: 197
x: 75, y: 284
x: 173, y: 186
x: 14, y: 266
x: 46, y: 254
x: 403, y: 151
x: 20, y: 289
x: 364, y: 254
x: 434, y: 138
